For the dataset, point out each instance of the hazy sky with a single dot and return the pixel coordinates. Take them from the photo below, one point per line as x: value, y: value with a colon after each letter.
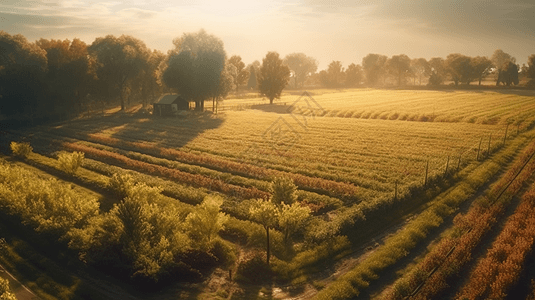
x: 342, y: 30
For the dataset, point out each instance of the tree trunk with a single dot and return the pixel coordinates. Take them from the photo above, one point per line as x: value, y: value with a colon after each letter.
x: 271, y: 100
x: 267, y: 241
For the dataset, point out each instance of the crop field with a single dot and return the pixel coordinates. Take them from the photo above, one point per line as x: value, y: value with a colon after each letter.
x: 365, y: 162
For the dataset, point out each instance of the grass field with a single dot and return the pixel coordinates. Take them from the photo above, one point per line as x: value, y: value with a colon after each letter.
x: 353, y: 155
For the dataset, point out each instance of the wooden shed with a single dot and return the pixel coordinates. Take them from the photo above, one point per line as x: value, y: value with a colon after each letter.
x: 168, y: 105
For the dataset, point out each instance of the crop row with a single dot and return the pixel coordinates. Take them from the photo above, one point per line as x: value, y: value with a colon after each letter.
x: 398, y: 246
x: 448, y: 258
x: 496, y: 273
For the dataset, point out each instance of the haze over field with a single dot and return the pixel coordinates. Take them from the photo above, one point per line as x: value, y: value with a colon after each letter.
x: 344, y: 30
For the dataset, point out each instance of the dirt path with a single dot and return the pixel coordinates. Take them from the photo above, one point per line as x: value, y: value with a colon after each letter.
x: 20, y: 290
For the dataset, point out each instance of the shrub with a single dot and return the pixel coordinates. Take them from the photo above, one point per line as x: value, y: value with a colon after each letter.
x: 121, y: 184
x: 5, y: 291
x: 21, y: 150
x: 70, y: 162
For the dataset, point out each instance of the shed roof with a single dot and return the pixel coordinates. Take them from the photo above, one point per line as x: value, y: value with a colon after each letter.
x: 169, y: 99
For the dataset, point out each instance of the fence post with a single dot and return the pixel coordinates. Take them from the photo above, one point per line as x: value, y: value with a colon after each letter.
x: 505, y: 136
x: 447, y: 165
x: 479, y: 148
x: 426, y: 171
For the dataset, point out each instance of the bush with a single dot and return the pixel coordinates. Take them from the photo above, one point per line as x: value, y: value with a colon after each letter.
x: 70, y: 162
x: 21, y: 150
x: 5, y: 291
x: 121, y: 184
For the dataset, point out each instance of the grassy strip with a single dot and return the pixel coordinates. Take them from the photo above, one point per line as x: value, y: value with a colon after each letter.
x: 396, y: 247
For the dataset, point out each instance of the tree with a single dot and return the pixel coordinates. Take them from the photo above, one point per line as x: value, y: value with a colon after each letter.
x: 501, y: 61
x: 251, y: 84
x: 119, y: 61
x: 226, y: 85
x: 302, y: 66
x: 399, y: 67
x: 531, y: 67
x: 420, y: 68
x: 374, y: 67
x: 5, y: 291
x: 205, y: 222
x: 508, y: 74
x: 265, y: 213
x: 438, y: 71
x: 283, y: 190
x: 460, y: 68
x: 291, y: 218
x: 195, y: 65
x: 273, y: 76
x: 242, y: 73
x: 71, y: 73
x: 148, y: 85
x: 481, y: 66
x: 354, y: 75
x: 23, y: 66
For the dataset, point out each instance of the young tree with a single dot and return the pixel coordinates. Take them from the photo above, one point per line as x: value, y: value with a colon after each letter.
x: 242, y: 73
x: 195, y: 65
x: 205, y: 222
x: 354, y: 75
x: 273, y: 76
x: 399, y: 67
x: 291, y: 218
x: 265, y: 213
x: 283, y: 190
x: 302, y: 66
x: 374, y: 67
x: 119, y: 61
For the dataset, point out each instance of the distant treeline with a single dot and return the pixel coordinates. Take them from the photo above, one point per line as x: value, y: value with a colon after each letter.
x: 53, y: 79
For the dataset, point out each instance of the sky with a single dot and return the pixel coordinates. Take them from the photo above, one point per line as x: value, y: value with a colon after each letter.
x: 342, y: 30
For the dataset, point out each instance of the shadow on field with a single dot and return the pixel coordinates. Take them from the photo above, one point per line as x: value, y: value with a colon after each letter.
x: 274, y: 108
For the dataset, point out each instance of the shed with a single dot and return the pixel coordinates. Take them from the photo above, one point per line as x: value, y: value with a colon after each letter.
x: 168, y: 105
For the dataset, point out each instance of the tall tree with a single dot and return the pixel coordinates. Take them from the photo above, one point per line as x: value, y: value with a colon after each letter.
x: 251, y: 84
x: 354, y: 75
x: 420, y: 68
x: 374, y: 67
x: 460, y: 68
x: 273, y: 76
x: 265, y: 213
x: 195, y: 65
x: 438, y: 71
x: 70, y: 75
x: 481, y: 66
x: 508, y: 75
x: 530, y: 72
x: 399, y: 67
x: 500, y: 61
x: 23, y: 66
x: 302, y: 66
x: 119, y: 61
x: 242, y: 73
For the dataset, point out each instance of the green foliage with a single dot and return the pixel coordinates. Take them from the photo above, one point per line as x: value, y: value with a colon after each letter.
x: 21, y: 150
x: 5, y: 291
x: 121, y: 184
x: 70, y: 162
x: 283, y: 190
x: 273, y: 76
x: 292, y: 218
x: 205, y: 222
x: 263, y: 212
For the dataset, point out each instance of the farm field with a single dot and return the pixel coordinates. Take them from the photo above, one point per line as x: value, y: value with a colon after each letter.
x: 368, y: 162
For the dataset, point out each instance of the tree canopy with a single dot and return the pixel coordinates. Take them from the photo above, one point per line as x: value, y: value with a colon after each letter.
x: 374, y: 67
x: 273, y: 76
x: 302, y: 66
x: 194, y: 67
x: 399, y: 66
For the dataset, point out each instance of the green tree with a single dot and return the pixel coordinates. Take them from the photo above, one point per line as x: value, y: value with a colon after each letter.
x: 420, y: 68
x: 194, y: 67
x: 399, y: 67
x: 481, y: 66
x: 283, y: 190
x: 353, y: 75
x: 273, y: 76
x: 438, y: 71
x: 264, y: 213
x: 119, y: 61
x: 242, y: 73
x: 23, y: 67
x: 374, y: 67
x: 460, y: 68
x: 531, y: 67
x: 251, y: 84
x: 302, y: 66
x: 292, y: 217
x: 333, y: 76
x: 205, y: 222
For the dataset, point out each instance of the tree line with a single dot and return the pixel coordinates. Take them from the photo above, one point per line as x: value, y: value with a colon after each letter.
x: 55, y: 79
